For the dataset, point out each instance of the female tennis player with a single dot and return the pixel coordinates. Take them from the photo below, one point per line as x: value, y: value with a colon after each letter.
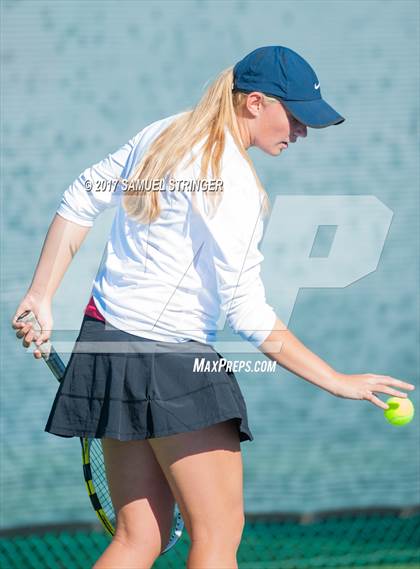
x: 175, y: 257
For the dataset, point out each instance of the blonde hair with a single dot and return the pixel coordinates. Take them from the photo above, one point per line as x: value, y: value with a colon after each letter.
x: 207, y: 120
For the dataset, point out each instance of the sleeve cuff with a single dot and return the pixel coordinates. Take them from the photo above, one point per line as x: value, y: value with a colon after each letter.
x: 69, y: 215
x: 257, y: 337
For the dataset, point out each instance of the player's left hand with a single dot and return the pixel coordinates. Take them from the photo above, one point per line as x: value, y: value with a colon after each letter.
x: 365, y: 385
x: 42, y: 309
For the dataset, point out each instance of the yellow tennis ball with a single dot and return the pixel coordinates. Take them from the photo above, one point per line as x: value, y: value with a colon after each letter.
x: 400, y: 411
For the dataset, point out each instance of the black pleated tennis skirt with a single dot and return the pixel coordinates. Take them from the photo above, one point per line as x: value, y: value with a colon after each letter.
x: 118, y: 385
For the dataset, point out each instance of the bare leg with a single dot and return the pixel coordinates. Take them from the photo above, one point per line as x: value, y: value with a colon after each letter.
x: 143, y: 502
x: 204, y: 471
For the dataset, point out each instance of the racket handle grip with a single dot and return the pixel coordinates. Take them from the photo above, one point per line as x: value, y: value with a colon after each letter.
x: 51, y: 357
x: 29, y: 317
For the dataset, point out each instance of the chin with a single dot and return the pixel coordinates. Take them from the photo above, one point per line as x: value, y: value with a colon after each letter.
x: 272, y: 150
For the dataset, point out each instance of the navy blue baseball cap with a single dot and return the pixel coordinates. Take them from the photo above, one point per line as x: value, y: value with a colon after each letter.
x: 281, y: 73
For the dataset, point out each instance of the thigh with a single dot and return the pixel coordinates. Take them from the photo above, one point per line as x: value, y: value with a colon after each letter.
x: 204, y: 471
x: 140, y: 493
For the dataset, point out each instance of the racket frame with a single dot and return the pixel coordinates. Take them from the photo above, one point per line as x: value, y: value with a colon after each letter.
x: 58, y: 368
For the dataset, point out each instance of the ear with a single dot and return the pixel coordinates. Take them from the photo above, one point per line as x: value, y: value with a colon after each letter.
x: 254, y: 103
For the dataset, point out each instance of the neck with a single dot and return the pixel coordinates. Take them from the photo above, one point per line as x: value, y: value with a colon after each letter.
x: 244, y: 131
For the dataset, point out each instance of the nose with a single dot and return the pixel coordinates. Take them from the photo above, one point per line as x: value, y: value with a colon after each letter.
x: 298, y: 129
x: 301, y: 130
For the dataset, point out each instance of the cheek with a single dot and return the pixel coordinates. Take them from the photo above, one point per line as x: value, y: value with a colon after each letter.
x: 276, y: 125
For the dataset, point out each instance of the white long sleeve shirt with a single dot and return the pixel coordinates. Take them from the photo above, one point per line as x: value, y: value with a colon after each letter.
x: 168, y: 280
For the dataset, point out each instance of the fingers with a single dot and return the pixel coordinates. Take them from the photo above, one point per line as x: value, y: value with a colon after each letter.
x: 29, y: 335
x: 26, y: 331
x: 37, y: 354
x: 383, y: 381
x: 376, y: 401
x: 388, y: 380
x: 43, y: 337
x: 389, y: 390
x: 15, y: 324
x: 22, y: 328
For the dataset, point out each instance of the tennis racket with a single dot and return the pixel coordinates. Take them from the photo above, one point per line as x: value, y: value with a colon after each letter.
x: 92, y: 455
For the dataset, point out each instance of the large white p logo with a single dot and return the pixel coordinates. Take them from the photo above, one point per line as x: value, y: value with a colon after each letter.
x: 362, y: 224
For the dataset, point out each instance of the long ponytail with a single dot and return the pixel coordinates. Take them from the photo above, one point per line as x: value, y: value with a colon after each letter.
x: 206, y: 121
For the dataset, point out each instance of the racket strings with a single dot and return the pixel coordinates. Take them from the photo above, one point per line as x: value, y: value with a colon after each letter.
x: 99, y: 479
x: 92, y: 455
x: 100, y: 484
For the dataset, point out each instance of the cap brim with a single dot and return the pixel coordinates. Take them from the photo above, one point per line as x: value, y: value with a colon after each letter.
x: 315, y: 114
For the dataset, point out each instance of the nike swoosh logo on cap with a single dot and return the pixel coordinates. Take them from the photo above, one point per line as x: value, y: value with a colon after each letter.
x: 317, y: 85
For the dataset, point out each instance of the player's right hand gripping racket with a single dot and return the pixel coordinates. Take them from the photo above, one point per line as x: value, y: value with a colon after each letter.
x: 92, y: 456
